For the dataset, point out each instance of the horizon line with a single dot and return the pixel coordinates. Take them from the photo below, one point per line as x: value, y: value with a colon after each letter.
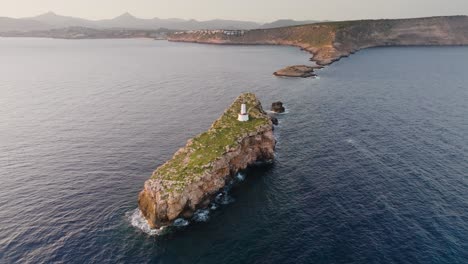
x: 244, y: 20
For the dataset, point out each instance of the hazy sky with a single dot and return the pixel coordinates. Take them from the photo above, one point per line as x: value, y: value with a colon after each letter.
x: 256, y: 10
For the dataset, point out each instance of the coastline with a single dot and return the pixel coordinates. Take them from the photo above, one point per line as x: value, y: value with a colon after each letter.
x: 312, y: 51
x: 329, y: 42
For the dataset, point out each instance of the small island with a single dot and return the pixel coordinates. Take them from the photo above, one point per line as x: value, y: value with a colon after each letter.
x: 189, y: 181
x: 302, y: 71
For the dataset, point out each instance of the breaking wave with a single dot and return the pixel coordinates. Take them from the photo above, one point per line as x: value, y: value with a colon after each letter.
x: 224, y: 198
x: 202, y: 215
x: 137, y: 220
x: 286, y: 111
x: 180, y: 222
x: 240, y: 176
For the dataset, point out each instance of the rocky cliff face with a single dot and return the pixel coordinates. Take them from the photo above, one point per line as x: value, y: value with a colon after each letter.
x: 330, y: 41
x: 199, y: 170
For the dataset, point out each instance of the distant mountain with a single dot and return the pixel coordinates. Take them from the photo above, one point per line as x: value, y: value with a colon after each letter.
x: 51, y: 20
x: 218, y: 24
x: 127, y: 20
x: 287, y: 23
x: 55, y: 21
x: 13, y: 24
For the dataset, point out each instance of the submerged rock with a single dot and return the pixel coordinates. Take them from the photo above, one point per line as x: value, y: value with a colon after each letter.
x: 296, y: 71
x: 277, y: 107
x: 190, y: 180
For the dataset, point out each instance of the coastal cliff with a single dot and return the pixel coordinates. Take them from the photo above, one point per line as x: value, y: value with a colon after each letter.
x: 199, y: 170
x: 330, y: 41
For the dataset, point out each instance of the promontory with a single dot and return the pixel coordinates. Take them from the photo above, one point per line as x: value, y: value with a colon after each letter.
x: 242, y: 136
x: 330, y: 41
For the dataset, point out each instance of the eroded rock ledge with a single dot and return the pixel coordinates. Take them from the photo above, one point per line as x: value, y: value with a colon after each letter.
x: 199, y: 170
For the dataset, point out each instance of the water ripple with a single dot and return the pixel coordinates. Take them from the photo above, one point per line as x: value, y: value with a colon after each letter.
x: 371, y: 164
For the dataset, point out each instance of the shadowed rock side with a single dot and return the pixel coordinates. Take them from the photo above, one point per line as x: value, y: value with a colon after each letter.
x: 330, y: 41
x: 199, y: 170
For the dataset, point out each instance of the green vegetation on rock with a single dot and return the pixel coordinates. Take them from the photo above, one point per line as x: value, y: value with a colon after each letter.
x: 200, y: 152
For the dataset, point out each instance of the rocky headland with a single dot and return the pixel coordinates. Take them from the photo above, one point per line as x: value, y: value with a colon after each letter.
x: 196, y: 172
x: 330, y: 41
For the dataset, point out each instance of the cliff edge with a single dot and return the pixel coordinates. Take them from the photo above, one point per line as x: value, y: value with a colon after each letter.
x: 330, y: 41
x: 199, y: 170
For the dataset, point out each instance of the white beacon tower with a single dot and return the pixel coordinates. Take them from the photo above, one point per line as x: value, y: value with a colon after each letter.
x: 243, y: 116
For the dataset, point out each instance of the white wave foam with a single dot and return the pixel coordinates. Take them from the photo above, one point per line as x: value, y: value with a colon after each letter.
x: 137, y: 220
x: 286, y: 111
x: 179, y: 222
x: 224, y: 198
x: 240, y: 176
x: 201, y: 215
x: 213, y: 206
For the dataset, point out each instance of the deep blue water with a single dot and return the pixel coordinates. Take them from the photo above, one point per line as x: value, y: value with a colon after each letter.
x: 371, y: 166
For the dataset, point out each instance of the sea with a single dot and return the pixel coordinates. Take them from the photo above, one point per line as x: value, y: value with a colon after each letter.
x: 371, y: 163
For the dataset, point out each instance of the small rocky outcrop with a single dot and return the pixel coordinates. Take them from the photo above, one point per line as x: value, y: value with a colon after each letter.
x: 202, y: 168
x: 277, y: 107
x: 302, y: 71
x: 274, y: 120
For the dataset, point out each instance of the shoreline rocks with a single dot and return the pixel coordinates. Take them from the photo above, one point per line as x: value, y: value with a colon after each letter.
x: 277, y: 107
x: 196, y: 172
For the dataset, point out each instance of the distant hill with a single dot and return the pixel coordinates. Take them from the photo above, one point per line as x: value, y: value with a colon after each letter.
x: 51, y: 20
x: 287, y: 23
x: 216, y: 24
x: 13, y: 24
x: 129, y: 21
x: 54, y: 21
x: 330, y: 41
